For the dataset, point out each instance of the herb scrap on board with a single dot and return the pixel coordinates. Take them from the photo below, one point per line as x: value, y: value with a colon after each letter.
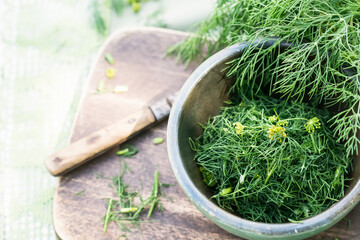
x: 127, y: 207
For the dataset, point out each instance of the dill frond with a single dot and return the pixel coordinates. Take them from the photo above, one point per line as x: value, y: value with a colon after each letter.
x: 276, y: 168
x: 127, y: 206
x: 98, y: 18
x: 321, y: 66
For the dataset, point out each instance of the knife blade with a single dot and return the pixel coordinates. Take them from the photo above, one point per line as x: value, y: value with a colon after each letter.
x: 91, y: 146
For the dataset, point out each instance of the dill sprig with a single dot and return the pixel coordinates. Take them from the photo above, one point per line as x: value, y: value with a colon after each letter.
x: 118, y: 6
x: 127, y: 206
x: 322, y: 65
x: 272, y: 161
x: 101, y: 12
x: 98, y: 19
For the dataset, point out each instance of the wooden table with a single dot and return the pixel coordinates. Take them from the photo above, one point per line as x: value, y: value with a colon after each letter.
x: 80, y: 198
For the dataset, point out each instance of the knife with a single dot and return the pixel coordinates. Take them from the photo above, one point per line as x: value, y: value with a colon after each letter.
x: 93, y: 145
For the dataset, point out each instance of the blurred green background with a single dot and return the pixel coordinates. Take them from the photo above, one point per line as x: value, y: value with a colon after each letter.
x: 46, y: 50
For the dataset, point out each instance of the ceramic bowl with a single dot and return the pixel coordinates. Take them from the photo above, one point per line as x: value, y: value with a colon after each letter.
x: 199, y: 99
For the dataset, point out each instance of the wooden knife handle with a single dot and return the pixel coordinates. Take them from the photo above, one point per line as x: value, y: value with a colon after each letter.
x: 97, y: 142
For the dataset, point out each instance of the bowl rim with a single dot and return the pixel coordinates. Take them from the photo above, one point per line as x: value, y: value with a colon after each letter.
x: 221, y: 217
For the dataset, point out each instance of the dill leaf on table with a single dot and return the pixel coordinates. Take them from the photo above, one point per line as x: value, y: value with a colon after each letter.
x: 127, y: 207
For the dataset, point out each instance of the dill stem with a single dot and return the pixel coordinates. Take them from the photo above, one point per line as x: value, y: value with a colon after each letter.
x: 143, y: 205
x: 154, y: 194
x: 107, y: 217
x: 269, y: 174
x: 314, y: 143
x: 128, y: 210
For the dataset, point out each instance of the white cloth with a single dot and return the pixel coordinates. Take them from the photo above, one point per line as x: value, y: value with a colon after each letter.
x: 46, y: 48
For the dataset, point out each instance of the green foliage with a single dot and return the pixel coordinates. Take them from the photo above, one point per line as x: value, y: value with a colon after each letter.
x: 127, y: 151
x: 275, y: 169
x: 98, y: 19
x: 322, y: 65
x: 101, y: 11
x: 127, y: 207
x: 109, y: 58
x: 158, y: 140
x: 118, y: 6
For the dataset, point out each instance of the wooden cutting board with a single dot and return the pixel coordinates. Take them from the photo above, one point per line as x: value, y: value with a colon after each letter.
x: 80, y: 199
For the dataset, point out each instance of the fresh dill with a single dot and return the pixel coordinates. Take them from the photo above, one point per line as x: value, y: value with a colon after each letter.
x: 322, y: 65
x: 127, y: 207
x: 158, y: 140
x: 118, y: 6
x: 101, y: 86
x: 109, y: 58
x: 98, y: 18
x: 81, y: 193
x: 127, y: 151
x: 101, y: 12
x: 272, y: 161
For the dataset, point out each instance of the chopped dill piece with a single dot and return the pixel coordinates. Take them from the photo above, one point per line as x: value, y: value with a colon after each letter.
x: 100, y: 176
x: 110, y: 72
x: 109, y: 58
x: 128, y: 210
x: 158, y: 140
x: 166, y: 185
x: 278, y: 171
x: 108, y: 214
x: 101, y: 86
x: 121, y: 89
x: 122, y: 151
x: 127, y: 151
x: 81, y: 193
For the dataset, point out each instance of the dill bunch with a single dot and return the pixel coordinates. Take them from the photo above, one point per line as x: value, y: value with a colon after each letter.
x: 272, y: 161
x: 321, y: 65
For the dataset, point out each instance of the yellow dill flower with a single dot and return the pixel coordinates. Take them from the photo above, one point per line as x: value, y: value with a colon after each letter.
x: 225, y: 191
x: 207, y: 177
x: 110, y: 72
x: 273, y: 118
x: 136, y: 6
x: 276, y: 130
x: 312, y: 124
x: 282, y: 123
x: 239, y: 128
